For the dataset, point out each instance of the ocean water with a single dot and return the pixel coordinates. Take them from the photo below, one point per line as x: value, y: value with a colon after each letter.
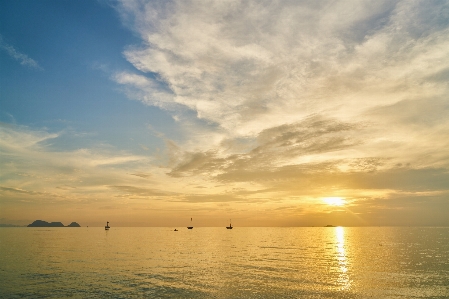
x: 314, y: 262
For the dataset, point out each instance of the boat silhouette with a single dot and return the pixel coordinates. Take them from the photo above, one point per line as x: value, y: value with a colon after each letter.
x: 190, y: 227
x: 230, y: 225
x: 107, y: 226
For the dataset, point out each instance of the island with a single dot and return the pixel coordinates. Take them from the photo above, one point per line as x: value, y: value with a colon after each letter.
x: 41, y: 223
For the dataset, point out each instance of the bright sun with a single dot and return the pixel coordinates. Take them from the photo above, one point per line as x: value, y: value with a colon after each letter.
x: 334, y: 201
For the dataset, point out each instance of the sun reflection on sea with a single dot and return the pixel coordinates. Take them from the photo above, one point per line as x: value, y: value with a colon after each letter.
x: 343, y: 278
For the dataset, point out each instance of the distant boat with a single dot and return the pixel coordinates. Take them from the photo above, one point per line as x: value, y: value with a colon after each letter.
x: 230, y: 225
x: 190, y: 227
x: 107, y: 226
x: 175, y: 230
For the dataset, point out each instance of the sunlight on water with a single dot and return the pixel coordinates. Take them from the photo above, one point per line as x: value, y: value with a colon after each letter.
x: 343, y: 278
x: 219, y: 263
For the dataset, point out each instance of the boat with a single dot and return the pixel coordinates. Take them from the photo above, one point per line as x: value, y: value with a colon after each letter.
x: 190, y: 227
x: 175, y: 230
x: 230, y: 225
x: 107, y: 226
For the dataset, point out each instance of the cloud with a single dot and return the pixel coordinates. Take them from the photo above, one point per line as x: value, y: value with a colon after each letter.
x: 142, y: 175
x: 297, y: 83
x: 16, y: 138
x: 22, y: 58
x: 31, y: 167
x: 16, y: 190
x: 216, y: 198
x: 148, y: 90
x: 132, y: 190
x: 282, y: 145
x: 421, y: 113
x: 248, y: 65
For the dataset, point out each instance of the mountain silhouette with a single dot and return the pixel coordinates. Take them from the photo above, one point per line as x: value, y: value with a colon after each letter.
x: 41, y: 223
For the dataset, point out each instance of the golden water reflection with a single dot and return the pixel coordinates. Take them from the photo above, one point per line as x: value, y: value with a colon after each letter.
x: 261, y: 263
x: 343, y: 279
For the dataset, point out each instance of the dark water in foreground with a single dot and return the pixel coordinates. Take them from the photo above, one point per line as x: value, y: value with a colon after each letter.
x: 219, y: 263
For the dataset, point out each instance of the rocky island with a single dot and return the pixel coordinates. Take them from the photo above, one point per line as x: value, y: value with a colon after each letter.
x: 41, y: 223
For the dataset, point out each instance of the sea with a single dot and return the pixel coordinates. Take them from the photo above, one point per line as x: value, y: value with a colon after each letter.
x: 214, y: 262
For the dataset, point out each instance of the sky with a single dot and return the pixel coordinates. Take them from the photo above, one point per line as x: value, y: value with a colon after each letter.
x: 269, y: 113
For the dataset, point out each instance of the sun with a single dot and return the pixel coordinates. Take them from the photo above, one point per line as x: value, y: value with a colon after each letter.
x: 334, y: 201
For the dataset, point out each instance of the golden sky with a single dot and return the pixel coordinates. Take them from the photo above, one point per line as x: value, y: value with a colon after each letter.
x: 289, y: 113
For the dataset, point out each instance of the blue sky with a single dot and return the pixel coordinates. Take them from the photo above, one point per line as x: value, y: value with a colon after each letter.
x: 152, y: 112
x: 75, y: 47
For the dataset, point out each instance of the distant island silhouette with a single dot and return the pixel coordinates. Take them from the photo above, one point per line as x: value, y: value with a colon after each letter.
x: 41, y: 223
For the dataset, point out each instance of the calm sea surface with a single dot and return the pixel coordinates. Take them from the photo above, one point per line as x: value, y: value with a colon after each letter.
x: 314, y: 262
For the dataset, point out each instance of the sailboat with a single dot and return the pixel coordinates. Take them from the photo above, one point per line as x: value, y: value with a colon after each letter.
x: 230, y: 225
x: 190, y: 227
x: 107, y: 226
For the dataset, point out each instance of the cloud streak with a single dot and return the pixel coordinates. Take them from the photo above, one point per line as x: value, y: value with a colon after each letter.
x: 23, y: 59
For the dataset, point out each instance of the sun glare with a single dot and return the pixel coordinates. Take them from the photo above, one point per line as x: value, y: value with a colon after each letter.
x: 334, y: 201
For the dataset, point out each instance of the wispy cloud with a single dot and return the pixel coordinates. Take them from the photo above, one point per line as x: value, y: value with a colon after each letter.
x: 286, y: 144
x: 23, y: 59
x: 299, y: 98
x: 248, y: 66
x: 146, y: 192
x: 30, y: 166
